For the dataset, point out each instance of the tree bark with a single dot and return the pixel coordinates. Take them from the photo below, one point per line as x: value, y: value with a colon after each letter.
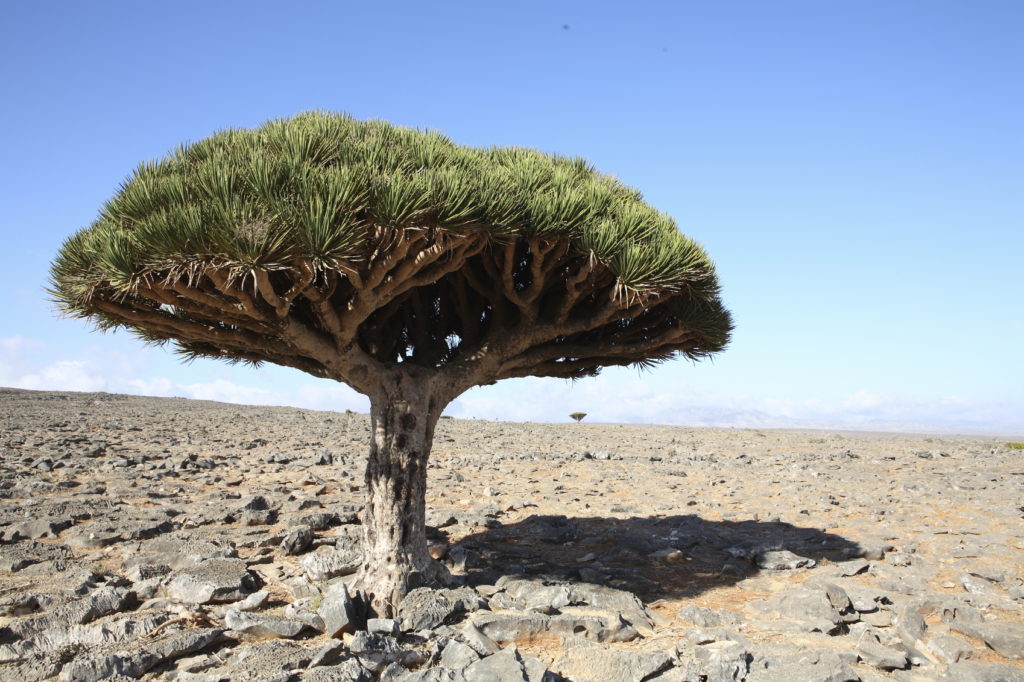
x: 403, y: 414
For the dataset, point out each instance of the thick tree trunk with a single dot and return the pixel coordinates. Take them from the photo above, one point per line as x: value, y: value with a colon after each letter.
x: 403, y: 414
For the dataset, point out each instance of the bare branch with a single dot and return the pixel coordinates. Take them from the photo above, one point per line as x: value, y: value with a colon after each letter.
x: 223, y: 312
x: 238, y: 341
x: 224, y: 281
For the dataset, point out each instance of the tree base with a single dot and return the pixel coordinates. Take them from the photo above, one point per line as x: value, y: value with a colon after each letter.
x: 383, y: 588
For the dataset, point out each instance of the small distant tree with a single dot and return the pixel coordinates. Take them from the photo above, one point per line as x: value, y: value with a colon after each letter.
x: 400, y: 263
x: 578, y: 416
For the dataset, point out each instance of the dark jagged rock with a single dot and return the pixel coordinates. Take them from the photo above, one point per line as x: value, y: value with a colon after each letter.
x: 23, y: 554
x: 135, y: 661
x: 425, y: 608
x: 338, y: 611
x: 298, y: 540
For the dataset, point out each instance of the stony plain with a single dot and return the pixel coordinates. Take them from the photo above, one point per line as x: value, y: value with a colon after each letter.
x: 147, y: 538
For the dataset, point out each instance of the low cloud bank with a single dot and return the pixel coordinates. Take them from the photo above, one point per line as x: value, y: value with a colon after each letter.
x: 28, y: 364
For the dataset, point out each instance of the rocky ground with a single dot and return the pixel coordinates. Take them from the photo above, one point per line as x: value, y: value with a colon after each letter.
x: 195, y: 541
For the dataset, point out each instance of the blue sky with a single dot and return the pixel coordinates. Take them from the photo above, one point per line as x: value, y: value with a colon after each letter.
x: 856, y: 170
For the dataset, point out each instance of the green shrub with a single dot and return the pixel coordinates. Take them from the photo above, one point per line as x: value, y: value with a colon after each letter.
x: 1014, y: 445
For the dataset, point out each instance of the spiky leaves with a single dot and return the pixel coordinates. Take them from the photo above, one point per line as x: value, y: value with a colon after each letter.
x: 340, y: 247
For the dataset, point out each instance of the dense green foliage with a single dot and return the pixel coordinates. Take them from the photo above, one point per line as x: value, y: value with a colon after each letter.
x: 315, y: 185
x: 321, y: 229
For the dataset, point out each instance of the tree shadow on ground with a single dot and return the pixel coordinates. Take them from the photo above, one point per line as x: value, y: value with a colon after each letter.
x: 673, y: 557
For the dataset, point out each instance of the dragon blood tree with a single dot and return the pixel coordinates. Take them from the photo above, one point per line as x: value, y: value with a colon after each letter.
x: 397, y: 262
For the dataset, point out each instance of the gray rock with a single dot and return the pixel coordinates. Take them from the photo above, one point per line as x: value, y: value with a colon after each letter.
x: 701, y: 636
x: 113, y: 629
x: 140, y: 572
x: 39, y: 528
x: 347, y: 670
x: 553, y: 530
x: 337, y: 610
x: 134, y: 661
x: 23, y: 554
x: 950, y: 649
x: 179, y: 550
x: 961, y: 612
x: 880, y: 656
x: 272, y: 660
x: 259, y: 517
x: 213, y: 580
x: 547, y: 594
x: 298, y: 540
x: 687, y: 670
x: 478, y: 641
x: 782, y: 560
x: 435, y: 674
x: 972, y: 671
x: 425, y: 608
x: 328, y: 653
x: 809, y: 608
x: 512, y: 626
x: 457, y: 656
x: 253, y: 503
x: 863, y: 598
x: 384, y: 626
x: 325, y: 563
x: 723, y: 661
x: 250, y: 603
x: 100, y: 602
x: 910, y: 626
x: 900, y: 559
x: 807, y: 666
x: 19, y: 604
x: 262, y: 626
x: 707, y: 618
x: 93, y: 536
x: 302, y: 588
x: 316, y: 521
x: 301, y: 611
x: 591, y: 663
x: 985, y: 591
x: 377, y: 651
x: 36, y: 667
x: 853, y: 567
x: 1006, y: 638
x: 504, y: 666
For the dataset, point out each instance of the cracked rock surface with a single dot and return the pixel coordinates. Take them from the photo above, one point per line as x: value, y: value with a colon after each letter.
x: 168, y: 539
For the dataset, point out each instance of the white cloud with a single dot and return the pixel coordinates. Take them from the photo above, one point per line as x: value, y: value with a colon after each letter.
x: 66, y: 375
x: 608, y: 398
x: 637, y: 401
x: 11, y: 345
x: 120, y: 372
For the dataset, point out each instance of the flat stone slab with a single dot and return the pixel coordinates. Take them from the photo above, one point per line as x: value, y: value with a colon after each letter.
x: 598, y: 664
x: 262, y: 626
x: 1006, y: 638
x: 212, y: 581
x: 23, y: 554
x: 513, y: 626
